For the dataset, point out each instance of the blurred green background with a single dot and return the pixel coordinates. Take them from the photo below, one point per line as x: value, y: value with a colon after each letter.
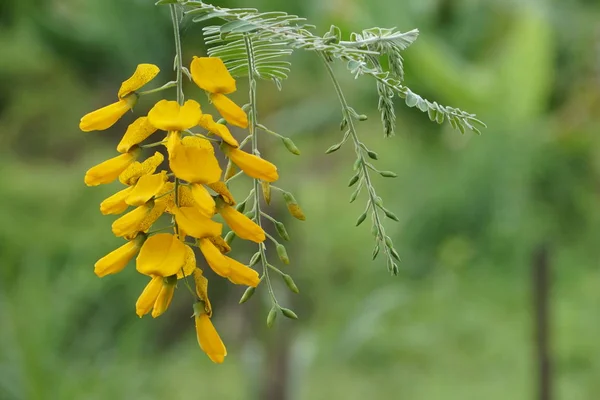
x: 458, y: 321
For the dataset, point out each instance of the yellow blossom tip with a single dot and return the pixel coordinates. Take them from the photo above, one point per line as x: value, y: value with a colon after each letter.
x: 232, y: 113
x: 252, y: 165
x: 109, y: 170
x: 107, y: 116
x: 143, y: 74
x: 211, y: 75
x: 170, y: 116
x: 209, y: 340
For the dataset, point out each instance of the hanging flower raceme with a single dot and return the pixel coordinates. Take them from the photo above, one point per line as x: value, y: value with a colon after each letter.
x: 189, y: 190
x: 106, y: 117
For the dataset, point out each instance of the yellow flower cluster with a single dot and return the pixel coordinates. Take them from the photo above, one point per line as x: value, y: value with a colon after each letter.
x: 190, y: 190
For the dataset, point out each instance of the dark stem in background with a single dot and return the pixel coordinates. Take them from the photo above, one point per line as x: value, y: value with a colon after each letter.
x: 541, y: 280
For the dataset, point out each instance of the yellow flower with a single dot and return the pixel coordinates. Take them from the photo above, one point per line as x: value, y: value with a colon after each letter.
x: 232, y: 113
x: 146, y: 188
x: 106, y: 117
x: 163, y: 300
x: 159, y: 208
x: 209, y: 340
x: 201, y: 284
x: 243, y: 226
x: 161, y: 255
x: 149, y: 295
x: 115, y: 204
x: 211, y: 75
x: 128, y: 224
x: 223, y: 190
x: 216, y: 261
x: 136, y: 170
x: 190, y: 263
x: 252, y: 165
x: 192, y: 159
x: 207, y: 122
x: 118, y: 259
x: 196, y: 224
x: 241, y: 274
x: 203, y: 200
x: 143, y: 74
x: 185, y: 197
x: 136, y: 133
x: 170, y: 116
x: 109, y: 170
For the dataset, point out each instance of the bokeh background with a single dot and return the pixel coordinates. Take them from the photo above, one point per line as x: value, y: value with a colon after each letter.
x: 457, y: 323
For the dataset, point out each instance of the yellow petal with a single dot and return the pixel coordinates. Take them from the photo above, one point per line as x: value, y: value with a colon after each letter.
x: 136, y: 133
x: 185, y: 197
x: 161, y: 255
x: 221, y: 188
x: 243, y: 226
x: 109, y: 170
x: 136, y: 170
x: 214, y: 258
x: 170, y: 116
x: 143, y: 74
x: 211, y: 75
x: 105, y: 117
x: 240, y: 274
x: 115, y: 204
x: 203, y: 200
x: 207, y: 122
x: 252, y: 165
x: 190, y: 263
x: 232, y: 113
x: 148, y: 297
x: 146, y: 188
x: 159, y: 208
x: 196, y: 224
x: 164, y: 297
x: 209, y: 340
x: 221, y: 244
x: 116, y: 260
x: 202, y: 290
x: 193, y: 160
x: 128, y: 224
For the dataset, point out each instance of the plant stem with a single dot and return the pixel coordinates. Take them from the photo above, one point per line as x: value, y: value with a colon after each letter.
x: 252, y: 127
x: 180, y: 98
x: 359, y: 154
